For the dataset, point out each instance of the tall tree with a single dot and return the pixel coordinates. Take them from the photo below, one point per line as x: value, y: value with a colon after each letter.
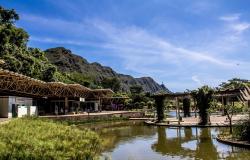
x: 8, y: 16
x: 136, y: 89
x: 112, y: 83
x: 14, y: 52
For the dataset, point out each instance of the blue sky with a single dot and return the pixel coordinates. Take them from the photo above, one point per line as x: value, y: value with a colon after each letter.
x: 182, y: 43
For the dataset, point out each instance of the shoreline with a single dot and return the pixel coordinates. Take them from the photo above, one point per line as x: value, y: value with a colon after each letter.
x: 242, y: 144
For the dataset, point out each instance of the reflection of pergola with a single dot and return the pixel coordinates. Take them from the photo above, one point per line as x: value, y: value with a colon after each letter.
x: 174, y: 146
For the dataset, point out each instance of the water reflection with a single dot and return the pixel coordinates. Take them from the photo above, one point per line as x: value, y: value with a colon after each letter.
x: 134, y: 140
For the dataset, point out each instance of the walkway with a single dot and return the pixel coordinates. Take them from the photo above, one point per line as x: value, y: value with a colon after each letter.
x: 216, y: 121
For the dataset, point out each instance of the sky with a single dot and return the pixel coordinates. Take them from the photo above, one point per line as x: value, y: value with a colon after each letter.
x: 184, y: 44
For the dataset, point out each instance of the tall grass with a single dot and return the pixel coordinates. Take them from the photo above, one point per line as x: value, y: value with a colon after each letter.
x: 33, y: 138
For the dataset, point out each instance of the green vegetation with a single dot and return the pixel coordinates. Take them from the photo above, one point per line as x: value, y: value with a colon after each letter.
x: 33, y: 138
x: 242, y: 131
x: 16, y: 55
x: 138, y: 98
x: 231, y: 110
x: 159, y: 102
x: 234, y: 83
x: 203, y: 97
x: 112, y: 83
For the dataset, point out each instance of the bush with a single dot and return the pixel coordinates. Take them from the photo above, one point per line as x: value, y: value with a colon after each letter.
x: 242, y: 131
x: 33, y: 138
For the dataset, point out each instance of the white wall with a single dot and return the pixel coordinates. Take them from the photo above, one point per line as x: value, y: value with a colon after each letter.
x: 21, y: 101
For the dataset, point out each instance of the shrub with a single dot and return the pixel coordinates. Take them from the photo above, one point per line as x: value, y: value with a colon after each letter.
x: 242, y: 131
x: 33, y: 138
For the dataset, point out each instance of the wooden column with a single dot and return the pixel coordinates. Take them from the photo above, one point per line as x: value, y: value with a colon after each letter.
x: 195, y: 106
x: 178, y: 109
x: 223, y: 105
x: 66, y: 105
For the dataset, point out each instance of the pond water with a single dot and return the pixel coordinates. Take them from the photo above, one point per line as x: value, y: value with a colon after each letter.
x: 132, y: 140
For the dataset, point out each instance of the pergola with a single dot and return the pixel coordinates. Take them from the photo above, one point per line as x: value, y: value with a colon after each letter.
x: 240, y: 94
x: 177, y: 96
x: 18, y: 84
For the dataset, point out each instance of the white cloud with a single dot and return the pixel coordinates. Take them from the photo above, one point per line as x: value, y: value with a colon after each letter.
x: 235, y: 24
x: 197, y: 80
x: 230, y: 18
x: 148, y: 54
x: 240, y: 27
x: 135, y: 43
x: 60, y: 41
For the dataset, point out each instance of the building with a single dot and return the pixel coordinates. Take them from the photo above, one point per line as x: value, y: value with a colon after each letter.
x: 18, y: 92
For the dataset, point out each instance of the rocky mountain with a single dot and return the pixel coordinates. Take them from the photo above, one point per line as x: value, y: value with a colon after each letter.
x: 68, y: 62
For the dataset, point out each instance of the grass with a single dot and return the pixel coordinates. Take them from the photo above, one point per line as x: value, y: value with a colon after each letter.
x: 34, y: 138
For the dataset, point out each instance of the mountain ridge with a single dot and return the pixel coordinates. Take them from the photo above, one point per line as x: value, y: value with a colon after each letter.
x: 68, y: 62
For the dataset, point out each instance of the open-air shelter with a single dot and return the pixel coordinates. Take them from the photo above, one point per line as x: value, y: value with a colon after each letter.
x: 226, y: 96
x: 17, y: 89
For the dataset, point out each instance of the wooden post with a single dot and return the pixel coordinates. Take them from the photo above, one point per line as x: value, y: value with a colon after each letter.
x: 223, y: 106
x: 66, y: 105
x: 178, y: 109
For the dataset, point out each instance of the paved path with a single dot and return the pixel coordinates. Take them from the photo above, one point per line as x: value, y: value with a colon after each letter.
x: 216, y: 120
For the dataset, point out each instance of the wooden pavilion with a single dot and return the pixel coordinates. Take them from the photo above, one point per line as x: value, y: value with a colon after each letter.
x: 50, y: 97
x: 227, y: 96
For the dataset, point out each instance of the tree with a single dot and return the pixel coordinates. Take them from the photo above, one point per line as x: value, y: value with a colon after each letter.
x: 230, y: 111
x: 203, y: 97
x: 234, y: 83
x: 8, y: 16
x: 15, y: 53
x: 113, y: 83
x: 136, y: 89
x: 48, y: 75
